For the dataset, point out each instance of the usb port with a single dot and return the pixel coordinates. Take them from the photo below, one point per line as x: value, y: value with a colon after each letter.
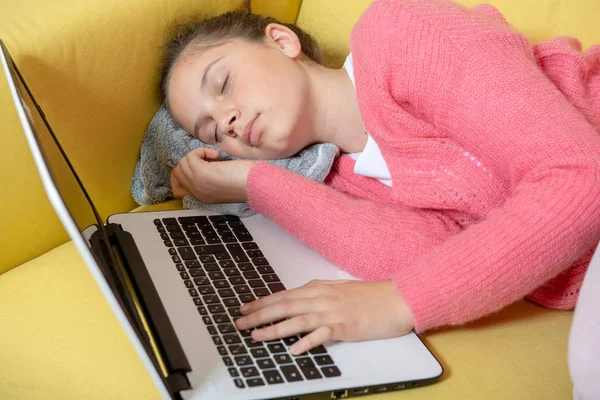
x: 399, y: 386
x: 361, y: 391
x: 381, y: 389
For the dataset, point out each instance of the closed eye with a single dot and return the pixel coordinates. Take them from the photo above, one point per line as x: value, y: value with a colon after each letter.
x: 225, y: 84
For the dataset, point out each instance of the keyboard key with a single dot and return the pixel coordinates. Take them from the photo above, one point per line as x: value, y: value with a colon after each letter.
x: 265, y: 269
x: 323, y: 360
x: 239, y: 383
x: 290, y: 340
x: 244, y: 360
x: 169, y: 221
x: 247, y: 298
x: 234, y: 311
x: 311, y: 373
x: 221, y: 284
x: 193, y: 292
x: 242, y: 234
x: 259, y: 352
x: 246, y: 332
x: 260, y: 261
x: 231, y: 271
x: 217, y: 340
x: 161, y: 229
x: 250, y: 246
x: 233, y: 372
x: 222, y: 350
x: 209, y: 267
x: 227, y: 361
x: 188, y: 284
x: 168, y: 243
x: 188, y: 227
x: 210, y: 299
x: 226, y: 293
x: 202, y: 310
x: 265, y: 363
x: 270, y: 278
x: 197, y: 272
x: 331, y: 371
x: 283, y: 359
x: 235, y: 222
x: 238, y: 254
x: 206, y: 290
x: 256, y: 283
x: 219, y: 225
x: 216, y: 309
x: 242, y: 289
x: 252, y: 343
x: 180, y: 242
x: 196, y: 241
x: 165, y: 236
x: 186, y: 253
x: 218, y: 275
x: 276, y: 287
x: 232, y: 338
x: 229, y: 217
x: 176, y: 259
x: 221, y: 318
x: 207, y: 320
x: 202, y: 281
x: 236, y: 280
x: 261, y: 292
x: 208, y: 249
x: 291, y: 373
x: 193, y: 234
x: 184, y: 275
x: 251, y: 275
x: 246, y: 266
x: 212, y: 239
x: 237, y: 349
x: 192, y: 264
x: 216, y: 218
x: 253, y: 382
x: 157, y: 222
x: 248, y: 372
x: 212, y: 329
x: 228, y: 239
x: 226, y: 328
x: 318, y: 350
x: 207, y: 258
x: 276, y: 348
x: 305, y: 362
x: 173, y: 252
x: 223, y: 256
x: 255, y: 253
x: 180, y: 267
x: 176, y: 234
x: 223, y: 229
x: 231, y: 302
x: 226, y: 263
x: 198, y: 301
x: 272, y: 377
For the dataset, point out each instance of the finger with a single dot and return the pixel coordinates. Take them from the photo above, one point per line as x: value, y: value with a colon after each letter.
x: 297, y: 293
x: 179, y: 191
x: 289, y: 327
x: 205, y: 153
x: 317, y: 282
x: 321, y: 335
x: 280, y: 310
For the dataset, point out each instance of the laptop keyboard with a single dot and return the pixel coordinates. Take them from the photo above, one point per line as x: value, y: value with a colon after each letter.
x: 222, y: 268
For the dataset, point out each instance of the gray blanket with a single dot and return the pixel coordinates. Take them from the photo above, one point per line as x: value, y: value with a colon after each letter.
x: 165, y: 143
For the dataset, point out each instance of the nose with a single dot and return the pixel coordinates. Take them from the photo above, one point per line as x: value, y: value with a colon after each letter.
x: 227, y: 122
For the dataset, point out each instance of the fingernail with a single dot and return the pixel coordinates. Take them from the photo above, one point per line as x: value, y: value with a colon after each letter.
x: 240, y: 323
x: 245, y: 308
x: 294, y: 350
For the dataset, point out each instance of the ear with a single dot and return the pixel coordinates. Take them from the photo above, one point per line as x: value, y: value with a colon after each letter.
x: 284, y: 39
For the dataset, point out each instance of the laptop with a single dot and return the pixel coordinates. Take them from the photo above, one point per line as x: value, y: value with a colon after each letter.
x: 176, y: 279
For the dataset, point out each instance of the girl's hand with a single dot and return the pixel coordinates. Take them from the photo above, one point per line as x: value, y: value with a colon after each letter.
x: 210, y: 181
x: 332, y: 310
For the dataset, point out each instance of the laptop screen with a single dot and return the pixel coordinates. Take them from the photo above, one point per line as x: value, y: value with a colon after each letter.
x: 70, y: 188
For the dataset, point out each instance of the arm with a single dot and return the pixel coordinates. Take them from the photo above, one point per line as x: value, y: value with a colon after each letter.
x: 476, y: 80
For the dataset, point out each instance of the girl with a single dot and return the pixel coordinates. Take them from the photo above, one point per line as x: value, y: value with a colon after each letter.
x: 477, y: 182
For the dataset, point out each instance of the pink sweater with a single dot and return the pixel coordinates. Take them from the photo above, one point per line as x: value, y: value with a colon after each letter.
x: 493, y: 148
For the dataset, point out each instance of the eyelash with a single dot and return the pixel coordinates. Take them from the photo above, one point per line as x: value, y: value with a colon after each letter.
x: 223, y: 88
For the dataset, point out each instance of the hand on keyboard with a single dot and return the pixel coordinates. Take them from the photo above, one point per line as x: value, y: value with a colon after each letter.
x: 330, y: 310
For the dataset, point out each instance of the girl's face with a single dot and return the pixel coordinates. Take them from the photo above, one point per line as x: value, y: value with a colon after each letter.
x: 250, y: 99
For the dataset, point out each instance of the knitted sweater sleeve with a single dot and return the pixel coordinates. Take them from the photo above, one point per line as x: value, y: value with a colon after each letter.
x: 440, y: 67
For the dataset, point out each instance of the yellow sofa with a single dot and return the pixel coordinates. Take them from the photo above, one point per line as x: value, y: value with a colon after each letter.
x: 93, y: 67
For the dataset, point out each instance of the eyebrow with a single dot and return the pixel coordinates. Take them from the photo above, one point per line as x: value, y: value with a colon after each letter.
x: 202, y: 85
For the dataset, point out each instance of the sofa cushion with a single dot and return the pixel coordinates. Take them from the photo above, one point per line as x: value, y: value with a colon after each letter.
x: 60, y: 340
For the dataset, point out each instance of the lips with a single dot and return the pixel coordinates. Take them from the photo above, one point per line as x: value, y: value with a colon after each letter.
x: 250, y: 133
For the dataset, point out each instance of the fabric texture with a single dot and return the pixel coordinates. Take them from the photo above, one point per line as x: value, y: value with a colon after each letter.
x: 495, y: 164
x: 165, y: 143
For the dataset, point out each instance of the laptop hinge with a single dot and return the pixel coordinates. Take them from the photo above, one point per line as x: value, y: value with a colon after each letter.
x: 146, y: 310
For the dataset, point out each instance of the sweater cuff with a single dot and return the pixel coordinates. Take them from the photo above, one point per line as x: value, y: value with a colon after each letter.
x: 257, y: 185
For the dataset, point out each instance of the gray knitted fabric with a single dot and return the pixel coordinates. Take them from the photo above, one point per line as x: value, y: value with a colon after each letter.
x: 165, y: 143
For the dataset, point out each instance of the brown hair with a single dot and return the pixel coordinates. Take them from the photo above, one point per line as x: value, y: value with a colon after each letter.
x: 206, y: 33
